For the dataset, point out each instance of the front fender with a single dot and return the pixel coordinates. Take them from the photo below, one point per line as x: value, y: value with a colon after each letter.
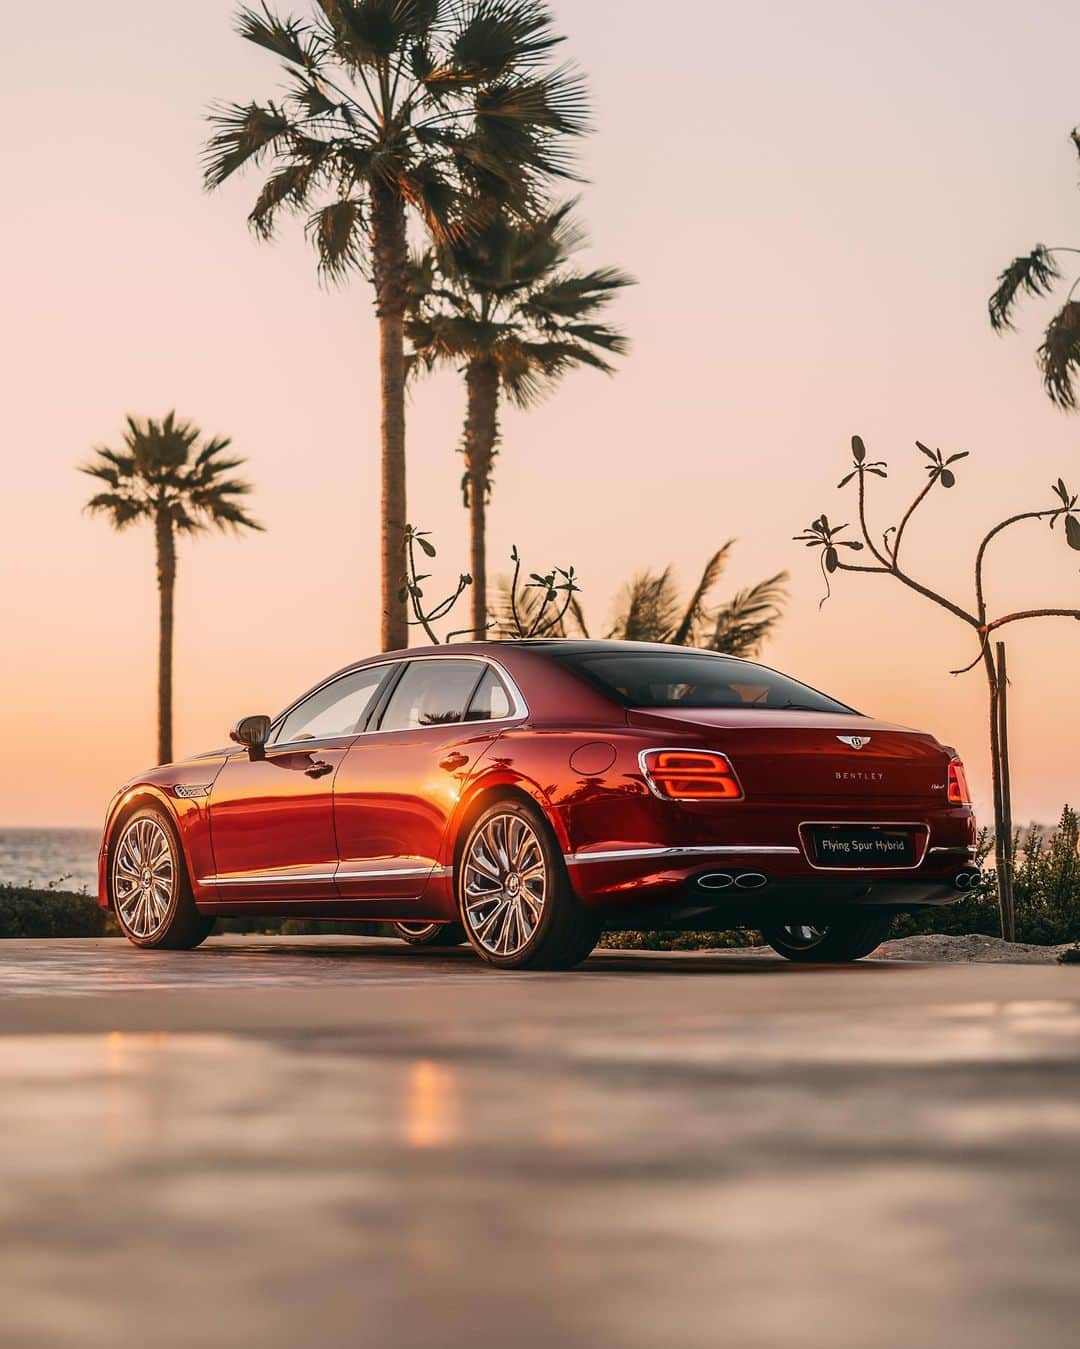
x: 189, y: 817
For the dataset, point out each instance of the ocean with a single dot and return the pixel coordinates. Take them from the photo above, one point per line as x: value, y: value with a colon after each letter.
x: 63, y: 858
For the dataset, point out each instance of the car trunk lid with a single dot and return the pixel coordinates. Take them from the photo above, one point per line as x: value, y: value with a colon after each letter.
x: 814, y: 756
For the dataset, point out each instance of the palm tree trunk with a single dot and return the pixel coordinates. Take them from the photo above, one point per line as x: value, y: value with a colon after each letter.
x: 389, y: 261
x: 481, y: 434
x: 166, y: 574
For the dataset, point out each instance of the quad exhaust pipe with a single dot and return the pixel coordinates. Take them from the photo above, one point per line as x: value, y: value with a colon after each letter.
x: 724, y: 880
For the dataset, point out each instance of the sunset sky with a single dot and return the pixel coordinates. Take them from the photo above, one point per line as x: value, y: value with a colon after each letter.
x: 816, y: 201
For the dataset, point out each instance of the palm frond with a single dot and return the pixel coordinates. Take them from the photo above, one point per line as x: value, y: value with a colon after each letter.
x: 749, y: 617
x: 575, y: 295
x: 290, y: 39
x: 499, y: 35
x: 338, y: 233
x: 695, y: 612
x: 1059, y: 355
x: 1032, y: 274
x: 289, y: 187
x: 245, y: 133
x: 121, y: 509
x: 648, y: 609
x: 598, y: 335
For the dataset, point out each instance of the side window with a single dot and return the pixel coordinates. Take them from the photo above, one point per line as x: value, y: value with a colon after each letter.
x: 491, y: 700
x: 431, y: 693
x: 336, y: 709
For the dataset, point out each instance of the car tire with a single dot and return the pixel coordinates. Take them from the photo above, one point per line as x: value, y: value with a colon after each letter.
x: 430, y: 934
x: 532, y: 922
x: 156, y: 911
x: 842, y: 939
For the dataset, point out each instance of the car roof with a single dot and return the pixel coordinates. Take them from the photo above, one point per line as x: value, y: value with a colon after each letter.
x: 540, y: 645
x: 587, y: 645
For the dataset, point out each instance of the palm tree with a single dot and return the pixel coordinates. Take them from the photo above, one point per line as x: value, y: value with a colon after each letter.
x: 650, y: 609
x: 160, y: 476
x: 504, y: 306
x: 1036, y: 273
x: 442, y: 109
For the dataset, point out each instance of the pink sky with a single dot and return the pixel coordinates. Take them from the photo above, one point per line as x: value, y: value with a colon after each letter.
x: 816, y: 201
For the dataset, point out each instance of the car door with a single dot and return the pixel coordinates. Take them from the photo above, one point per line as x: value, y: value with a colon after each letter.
x: 398, y: 784
x: 272, y: 816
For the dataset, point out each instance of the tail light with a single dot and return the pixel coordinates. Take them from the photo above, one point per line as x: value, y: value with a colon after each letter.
x: 690, y: 775
x: 959, y: 794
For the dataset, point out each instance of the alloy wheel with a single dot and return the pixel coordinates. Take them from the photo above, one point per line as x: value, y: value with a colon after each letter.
x: 143, y: 877
x: 804, y: 935
x: 505, y: 884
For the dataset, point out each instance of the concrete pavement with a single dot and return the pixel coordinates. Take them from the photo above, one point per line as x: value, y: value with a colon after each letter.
x: 343, y: 1141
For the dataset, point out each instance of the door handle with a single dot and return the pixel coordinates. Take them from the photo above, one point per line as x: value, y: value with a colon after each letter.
x: 319, y: 769
x: 453, y: 761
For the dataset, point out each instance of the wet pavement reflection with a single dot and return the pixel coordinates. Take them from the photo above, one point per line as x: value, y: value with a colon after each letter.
x: 822, y: 1157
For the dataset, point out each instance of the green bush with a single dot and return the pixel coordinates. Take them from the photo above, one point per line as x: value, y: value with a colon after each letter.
x: 26, y: 911
x: 1046, y: 886
x: 676, y: 940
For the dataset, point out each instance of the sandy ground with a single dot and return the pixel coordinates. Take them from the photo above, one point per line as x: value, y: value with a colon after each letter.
x: 971, y: 947
x: 338, y: 1141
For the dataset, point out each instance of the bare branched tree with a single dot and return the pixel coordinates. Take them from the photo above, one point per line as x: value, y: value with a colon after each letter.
x: 887, y: 559
x: 535, y: 608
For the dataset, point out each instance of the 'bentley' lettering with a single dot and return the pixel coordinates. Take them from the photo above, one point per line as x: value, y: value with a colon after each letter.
x: 853, y: 776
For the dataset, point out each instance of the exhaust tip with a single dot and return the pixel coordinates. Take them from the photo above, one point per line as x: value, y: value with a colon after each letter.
x: 715, y: 880
x: 966, y: 880
x: 751, y: 880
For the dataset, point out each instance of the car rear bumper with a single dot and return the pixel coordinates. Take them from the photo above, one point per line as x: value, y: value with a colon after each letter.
x: 742, y: 886
x: 781, y: 902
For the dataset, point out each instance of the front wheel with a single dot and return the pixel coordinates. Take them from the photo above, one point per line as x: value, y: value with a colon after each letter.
x: 842, y: 939
x: 515, y: 898
x: 149, y: 887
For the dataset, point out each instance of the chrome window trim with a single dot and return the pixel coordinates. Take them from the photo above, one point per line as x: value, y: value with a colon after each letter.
x: 696, y: 850
x: 865, y: 824
x: 521, y: 708
x: 311, y: 693
x: 689, y: 749
x: 517, y: 698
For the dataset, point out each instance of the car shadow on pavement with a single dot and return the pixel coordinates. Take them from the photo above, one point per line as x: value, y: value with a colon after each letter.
x: 380, y: 950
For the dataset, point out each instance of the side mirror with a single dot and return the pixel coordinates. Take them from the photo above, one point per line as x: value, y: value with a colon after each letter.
x: 252, y: 732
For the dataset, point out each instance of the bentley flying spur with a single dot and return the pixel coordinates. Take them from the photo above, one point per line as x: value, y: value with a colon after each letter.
x: 522, y: 796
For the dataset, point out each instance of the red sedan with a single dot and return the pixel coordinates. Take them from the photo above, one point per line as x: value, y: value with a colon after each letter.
x: 524, y: 795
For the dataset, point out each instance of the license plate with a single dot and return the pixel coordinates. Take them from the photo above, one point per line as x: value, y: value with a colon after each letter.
x: 846, y: 846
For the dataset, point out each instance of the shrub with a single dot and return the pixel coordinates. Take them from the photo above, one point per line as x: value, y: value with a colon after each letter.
x: 677, y: 940
x: 1046, y: 885
x: 26, y: 911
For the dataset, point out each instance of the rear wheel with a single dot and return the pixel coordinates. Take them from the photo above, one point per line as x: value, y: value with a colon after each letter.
x: 149, y: 887
x: 430, y: 934
x: 841, y: 939
x: 514, y: 895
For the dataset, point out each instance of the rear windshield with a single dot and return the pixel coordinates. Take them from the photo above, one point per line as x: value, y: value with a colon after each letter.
x: 680, y: 678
